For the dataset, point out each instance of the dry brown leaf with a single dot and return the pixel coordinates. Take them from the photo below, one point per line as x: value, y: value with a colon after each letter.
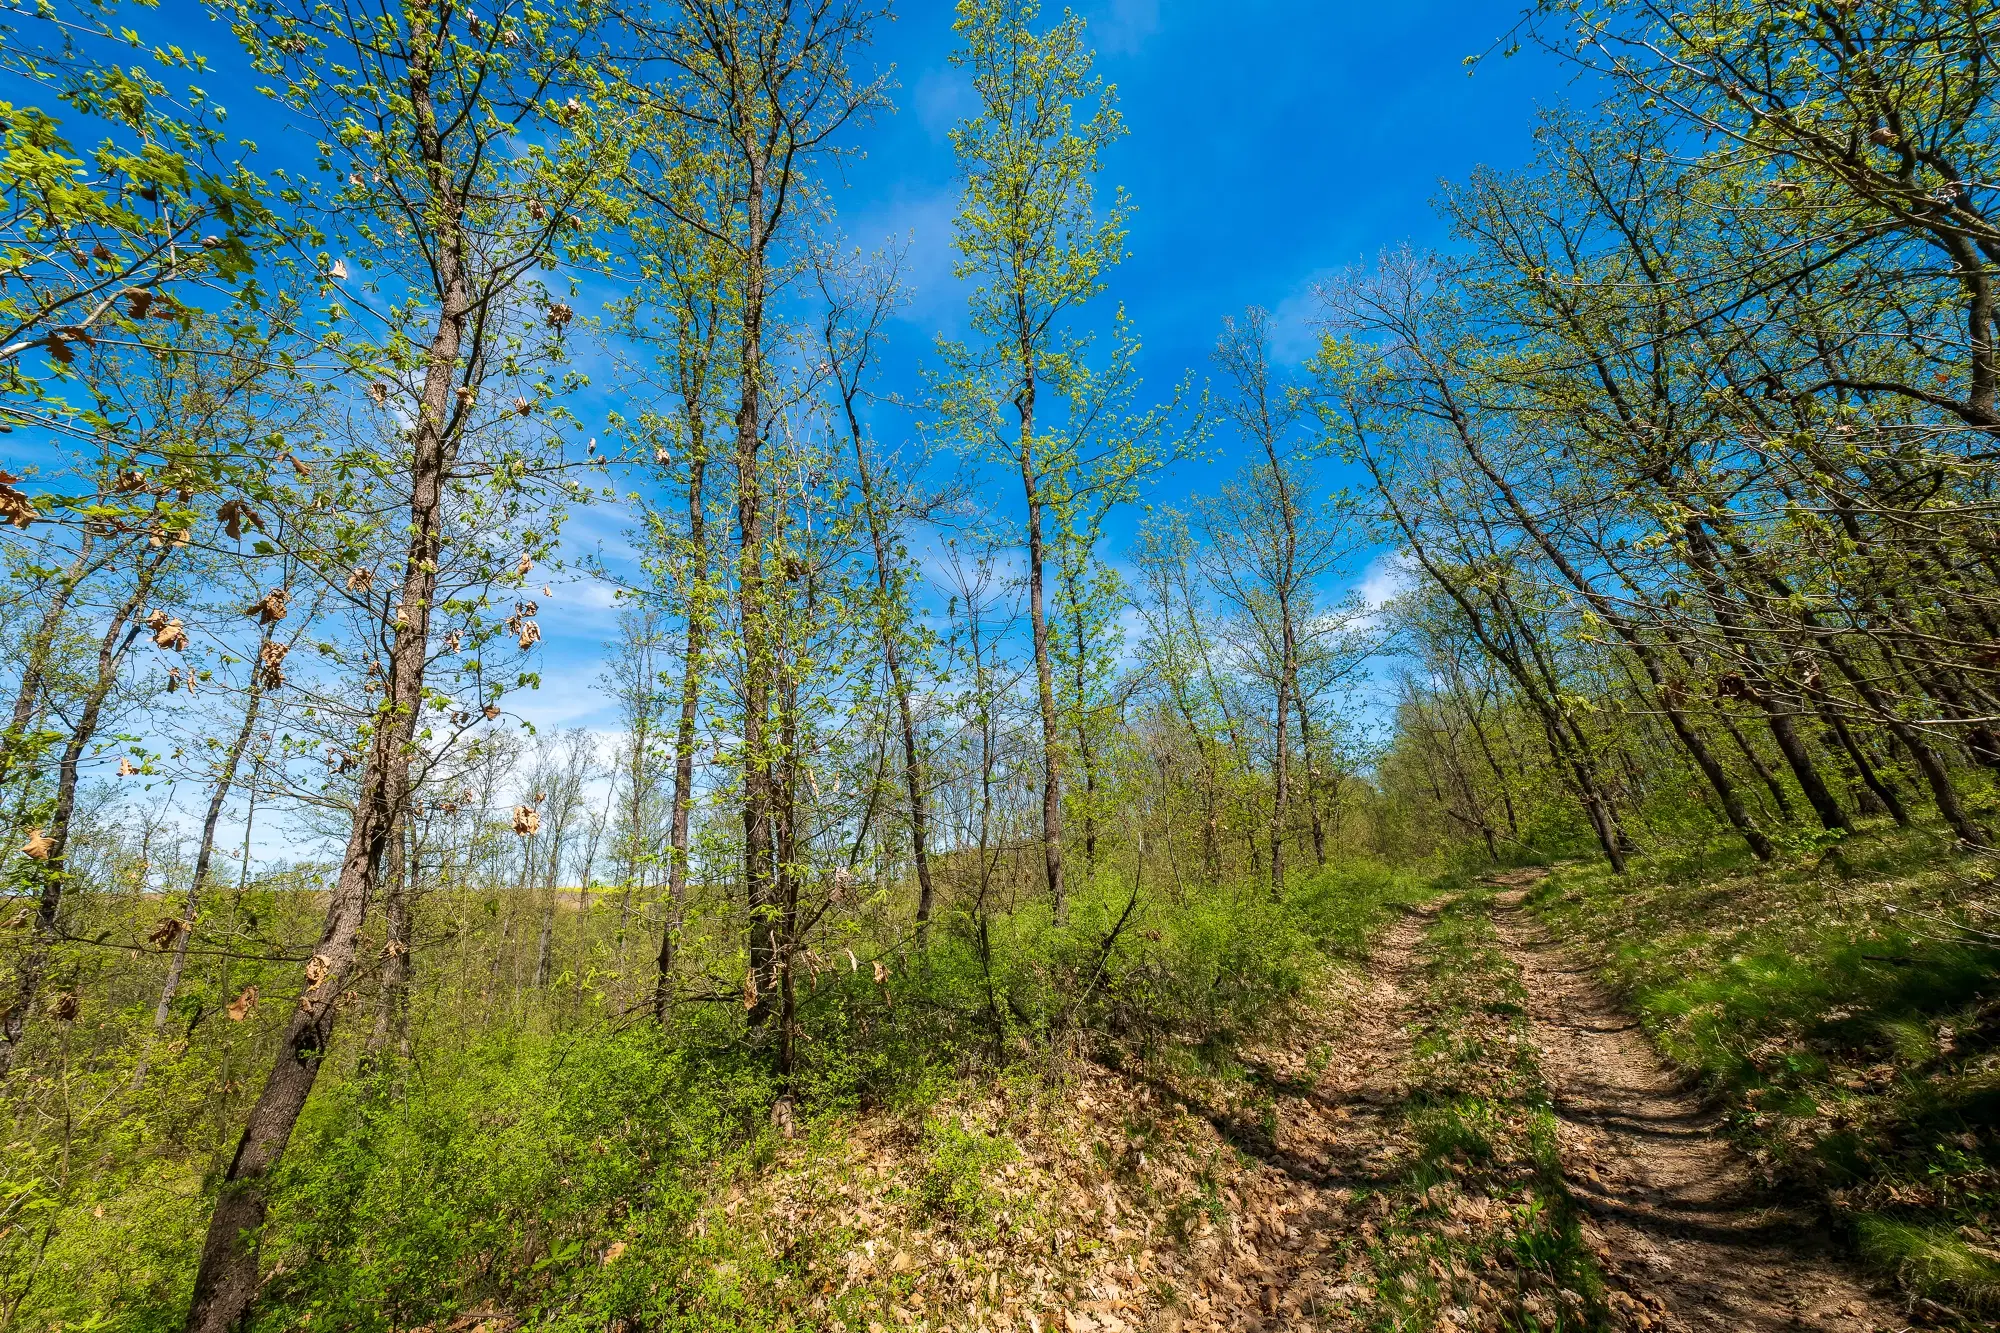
x: 15, y: 506
x: 38, y: 846
x: 240, y: 1007
x: 166, y: 932
x: 270, y: 608
x: 171, y: 635
x: 270, y: 665
x: 527, y: 820
x: 234, y: 514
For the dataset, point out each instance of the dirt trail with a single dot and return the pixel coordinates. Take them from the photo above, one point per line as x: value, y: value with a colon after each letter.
x: 1677, y: 1225
x: 1338, y: 1086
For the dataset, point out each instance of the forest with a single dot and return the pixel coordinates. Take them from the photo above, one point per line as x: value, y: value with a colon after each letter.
x: 1473, y: 806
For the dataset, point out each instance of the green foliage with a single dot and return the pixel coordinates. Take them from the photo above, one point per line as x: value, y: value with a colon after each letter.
x: 955, y: 1162
x: 1936, y: 1261
x: 502, y: 1173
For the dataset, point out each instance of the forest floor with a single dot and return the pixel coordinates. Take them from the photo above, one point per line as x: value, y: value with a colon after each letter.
x: 1464, y: 1134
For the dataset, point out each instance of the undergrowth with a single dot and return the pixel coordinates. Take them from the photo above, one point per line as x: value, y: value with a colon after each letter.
x: 596, y: 1174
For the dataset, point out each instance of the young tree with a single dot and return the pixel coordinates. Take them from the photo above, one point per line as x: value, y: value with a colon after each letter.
x: 858, y: 304
x: 423, y: 116
x: 768, y: 89
x: 1028, y: 231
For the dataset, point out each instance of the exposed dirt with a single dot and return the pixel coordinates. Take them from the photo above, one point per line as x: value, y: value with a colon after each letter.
x: 1677, y: 1226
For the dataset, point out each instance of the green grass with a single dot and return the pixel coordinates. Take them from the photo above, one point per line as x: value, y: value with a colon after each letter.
x: 1847, y: 1022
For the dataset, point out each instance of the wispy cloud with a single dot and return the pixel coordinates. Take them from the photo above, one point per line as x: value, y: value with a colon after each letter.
x: 942, y: 97
x: 920, y: 225
x: 1295, y: 320
x: 1385, y: 578
x: 1122, y: 26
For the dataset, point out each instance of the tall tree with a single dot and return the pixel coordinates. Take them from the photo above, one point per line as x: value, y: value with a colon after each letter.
x: 768, y: 85
x: 1028, y: 231
x: 422, y: 114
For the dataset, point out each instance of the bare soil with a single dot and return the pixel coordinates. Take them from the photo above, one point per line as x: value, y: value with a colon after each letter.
x: 1685, y: 1243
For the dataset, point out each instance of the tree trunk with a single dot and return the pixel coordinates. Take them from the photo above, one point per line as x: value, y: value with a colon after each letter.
x: 223, y: 782
x: 684, y: 734
x: 392, y: 1001
x: 1312, y: 779
x: 1045, y: 681
x: 1648, y: 655
x: 760, y: 887
x: 913, y: 772
x: 227, y: 1279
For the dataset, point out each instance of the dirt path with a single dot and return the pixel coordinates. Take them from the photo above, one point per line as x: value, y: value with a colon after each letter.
x: 1337, y: 1083
x: 1677, y: 1227
x: 1344, y: 1125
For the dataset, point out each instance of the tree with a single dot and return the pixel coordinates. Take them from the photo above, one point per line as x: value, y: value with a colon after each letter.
x: 420, y: 114
x: 1028, y: 231
x: 858, y: 304
x: 766, y: 84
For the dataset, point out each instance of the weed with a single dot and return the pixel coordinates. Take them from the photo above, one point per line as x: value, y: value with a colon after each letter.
x: 952, y: 1182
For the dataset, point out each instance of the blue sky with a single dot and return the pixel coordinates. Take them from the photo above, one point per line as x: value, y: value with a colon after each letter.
x: 1270, y: 145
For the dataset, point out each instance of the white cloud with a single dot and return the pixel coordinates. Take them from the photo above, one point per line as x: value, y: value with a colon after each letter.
x: 1295, y: 320
x: 1386, y: 577
x: 569, y: 696
x: 919, y: 225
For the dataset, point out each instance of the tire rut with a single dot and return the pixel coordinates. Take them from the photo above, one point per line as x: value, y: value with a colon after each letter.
x: 1677, y: 1221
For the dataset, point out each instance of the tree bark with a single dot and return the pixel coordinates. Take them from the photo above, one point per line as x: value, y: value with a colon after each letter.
x: 1045, y: 681
x: 392, y: 1001
x: 691, y: 678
